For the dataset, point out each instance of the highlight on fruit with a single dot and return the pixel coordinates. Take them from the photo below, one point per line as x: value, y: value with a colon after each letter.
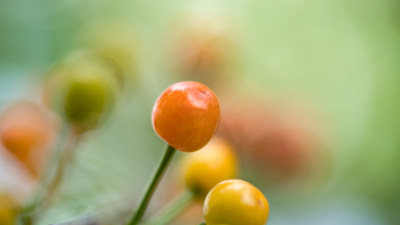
x: 186, y: 115
x: 235, y: 202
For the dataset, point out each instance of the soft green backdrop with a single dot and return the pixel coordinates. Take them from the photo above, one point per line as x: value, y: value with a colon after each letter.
x: 342, y: 55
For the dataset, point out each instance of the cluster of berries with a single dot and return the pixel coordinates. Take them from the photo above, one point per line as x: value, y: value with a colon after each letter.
x: 84, y: 89
x: 186, y: 115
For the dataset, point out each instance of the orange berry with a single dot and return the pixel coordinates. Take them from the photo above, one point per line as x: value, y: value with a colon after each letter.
x: 26, y: 131
x: 235, y: 202
x: 186, y: 115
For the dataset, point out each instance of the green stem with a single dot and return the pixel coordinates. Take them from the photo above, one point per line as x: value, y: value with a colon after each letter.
x: 174, y: 209
x: 203, y: 223
x: 51, y: 180
x: 137, y: 217
x: 63, y: 163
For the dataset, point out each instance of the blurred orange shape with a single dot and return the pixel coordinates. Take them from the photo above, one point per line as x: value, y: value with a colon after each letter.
x: 203, y: 49
x: 26, y: 130
x: 283, y: 142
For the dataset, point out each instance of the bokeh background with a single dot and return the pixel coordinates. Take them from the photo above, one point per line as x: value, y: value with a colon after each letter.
x: 309, y: 93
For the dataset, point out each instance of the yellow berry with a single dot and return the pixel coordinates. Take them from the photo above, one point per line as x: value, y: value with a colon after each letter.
x: 210, y: 165
x: 235, y: 202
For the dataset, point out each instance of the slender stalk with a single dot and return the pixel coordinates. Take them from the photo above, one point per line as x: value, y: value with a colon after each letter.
x: 203, y: 223
x: 63, y: 163
x: 173, y: 210
x: 51, y: 180
x: 137, y: 217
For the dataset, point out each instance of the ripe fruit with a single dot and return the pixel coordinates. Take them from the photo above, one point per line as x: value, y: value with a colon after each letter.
x: 210, y: 165
x: 186, y: 115
x: 235, y: 202
x: 88, y: 96
x: 26, y: 131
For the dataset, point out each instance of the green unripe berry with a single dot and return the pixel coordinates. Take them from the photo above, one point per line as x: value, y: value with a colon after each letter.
x: 89, y: 95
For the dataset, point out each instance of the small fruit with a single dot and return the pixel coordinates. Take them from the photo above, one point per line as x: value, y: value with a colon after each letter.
x: 186, y: 115
x: 26, y: 130
x: 210, y: 165
x: 89, y: 95
x: 75, y: 64
x: 235, y: 202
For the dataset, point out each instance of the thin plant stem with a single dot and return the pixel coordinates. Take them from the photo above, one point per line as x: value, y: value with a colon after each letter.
x: 52, y: 178
x: 63, y: 163
x: 137, y: 217
x: 174, y: 209
x: 203, y: 223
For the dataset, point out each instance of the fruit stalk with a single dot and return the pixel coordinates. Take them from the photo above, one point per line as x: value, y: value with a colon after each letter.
x: 174, y: 209
x: 53, y: 177
x: 137, y: 217
x: 63, y: 163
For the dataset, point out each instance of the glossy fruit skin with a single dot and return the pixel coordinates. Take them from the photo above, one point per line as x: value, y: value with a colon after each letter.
x: 186, y: 115
x: 212, y: 164
x: 89, y: 95
x: 235, y: 202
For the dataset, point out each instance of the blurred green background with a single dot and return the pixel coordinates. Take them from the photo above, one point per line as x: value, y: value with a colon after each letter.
x: 341, y: 56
